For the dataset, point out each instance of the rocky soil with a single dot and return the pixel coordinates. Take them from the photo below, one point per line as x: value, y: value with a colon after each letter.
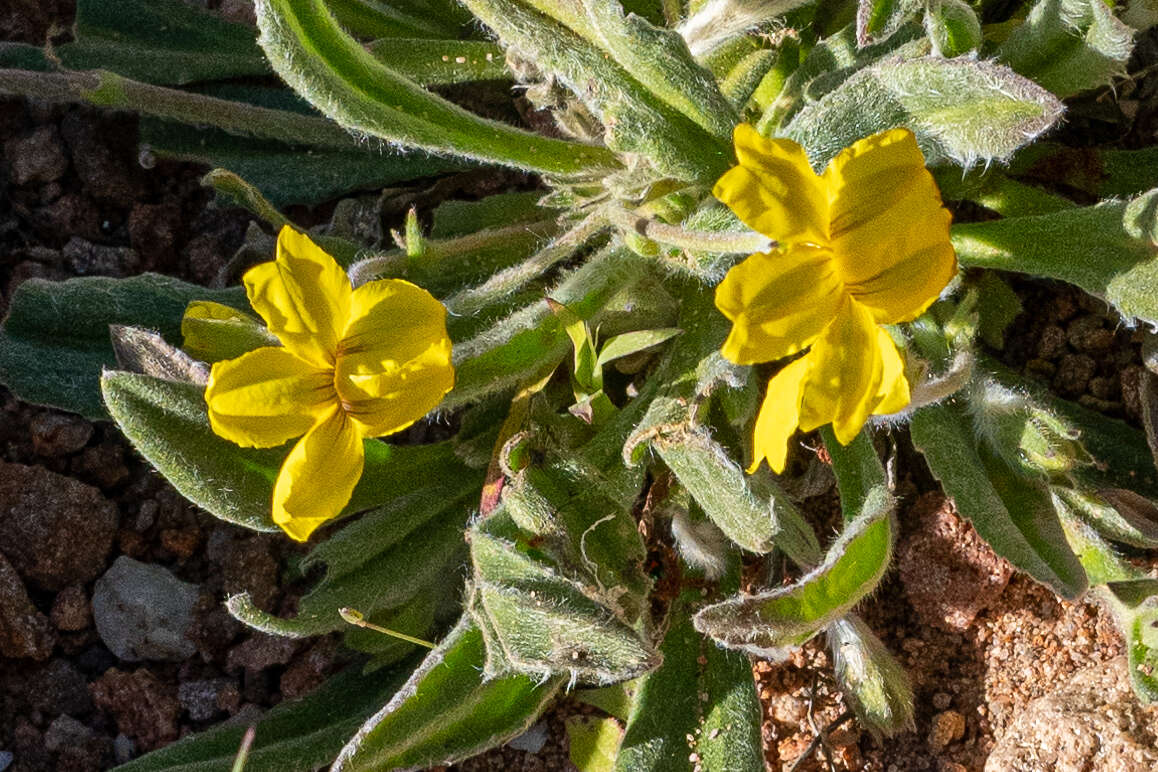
x: 113, y: 640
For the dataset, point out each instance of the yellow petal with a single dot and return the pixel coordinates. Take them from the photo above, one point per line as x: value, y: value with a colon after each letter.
x: 845, y: 374
x: 304, y: 297
x: 394, y: 362
x: 265, y: 397
x: 778, y: 302
x: 893, y: 394
x: 318, y: 476
x: 774, y: 190
x: 779, y: 416
x: 889, y: 229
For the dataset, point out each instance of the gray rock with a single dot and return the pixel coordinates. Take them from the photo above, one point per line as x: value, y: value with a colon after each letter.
x: 202, y: 700
x: 89, y: 259
x: 142, y: 611
x: 123, y: 749
x: 1092, y: 722
x: 6, y: 759
x: 65, y: 731
x: 532, y: 740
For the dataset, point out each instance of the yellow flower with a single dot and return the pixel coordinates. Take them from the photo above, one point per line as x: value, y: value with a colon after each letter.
x: 354, y: 363
x: 865, y: 243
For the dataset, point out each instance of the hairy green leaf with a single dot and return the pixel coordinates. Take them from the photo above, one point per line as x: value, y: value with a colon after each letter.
x: 1011, y: 512
x: 168, y: 423
x: 295, y: 736
x: 777, y: 619
x: 447, y: 711
x: 559, y: 586
x: 1107, y: 250
x: 701, y: 691
x: 963, y: 110
x: 1069, y: 45
x: 392, y: 554
x: 55, y: 341
x: 288, y: 174
x: 161, y: 41
x: 634, y: 119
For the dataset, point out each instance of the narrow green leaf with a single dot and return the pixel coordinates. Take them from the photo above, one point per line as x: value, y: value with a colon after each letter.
x: 758, y: 523
x: 1121, y: 456
x: 614, y: 700
x: 165, y: 42
x: 963, y: 110
x: 336, y: 74
x: 1069, y: 45
x: 1135, y: 606
x: 789, y: 616
x: 659, y: 59
x: 168, y: 423
x: 1115, y: 513
x: 1107, y: 250
x: 288, y: 174
x: 858, y: 469
x: 542, y: 623
x: 745, y: 76
x: 751, y: 510
x: 447, y: 711
x: 633, y: 342
x: 1013, y: 513
x: 409, y: 548
x: 440, y: 63
x: 461, y: 218
x: 55, y: 341
x: 561, y: 39
x: 295, y: 736
x: 701, y: 692
x: 425, y: 19
x: 826, y: 65
x: 997, y: 307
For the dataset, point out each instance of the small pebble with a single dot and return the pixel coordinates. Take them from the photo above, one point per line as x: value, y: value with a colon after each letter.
x: 532, y: 740
x: 948, y: 727
x: 123, y: 749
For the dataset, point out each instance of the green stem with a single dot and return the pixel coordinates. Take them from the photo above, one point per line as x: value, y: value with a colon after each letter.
x: 471, y: 301
x: 107, y: 89
x: 358, y: 619
x: 395, y: 263
x: 746, y: 242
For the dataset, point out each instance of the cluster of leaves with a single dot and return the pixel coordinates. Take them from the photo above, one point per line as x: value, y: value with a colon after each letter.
x: 607, y: 276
